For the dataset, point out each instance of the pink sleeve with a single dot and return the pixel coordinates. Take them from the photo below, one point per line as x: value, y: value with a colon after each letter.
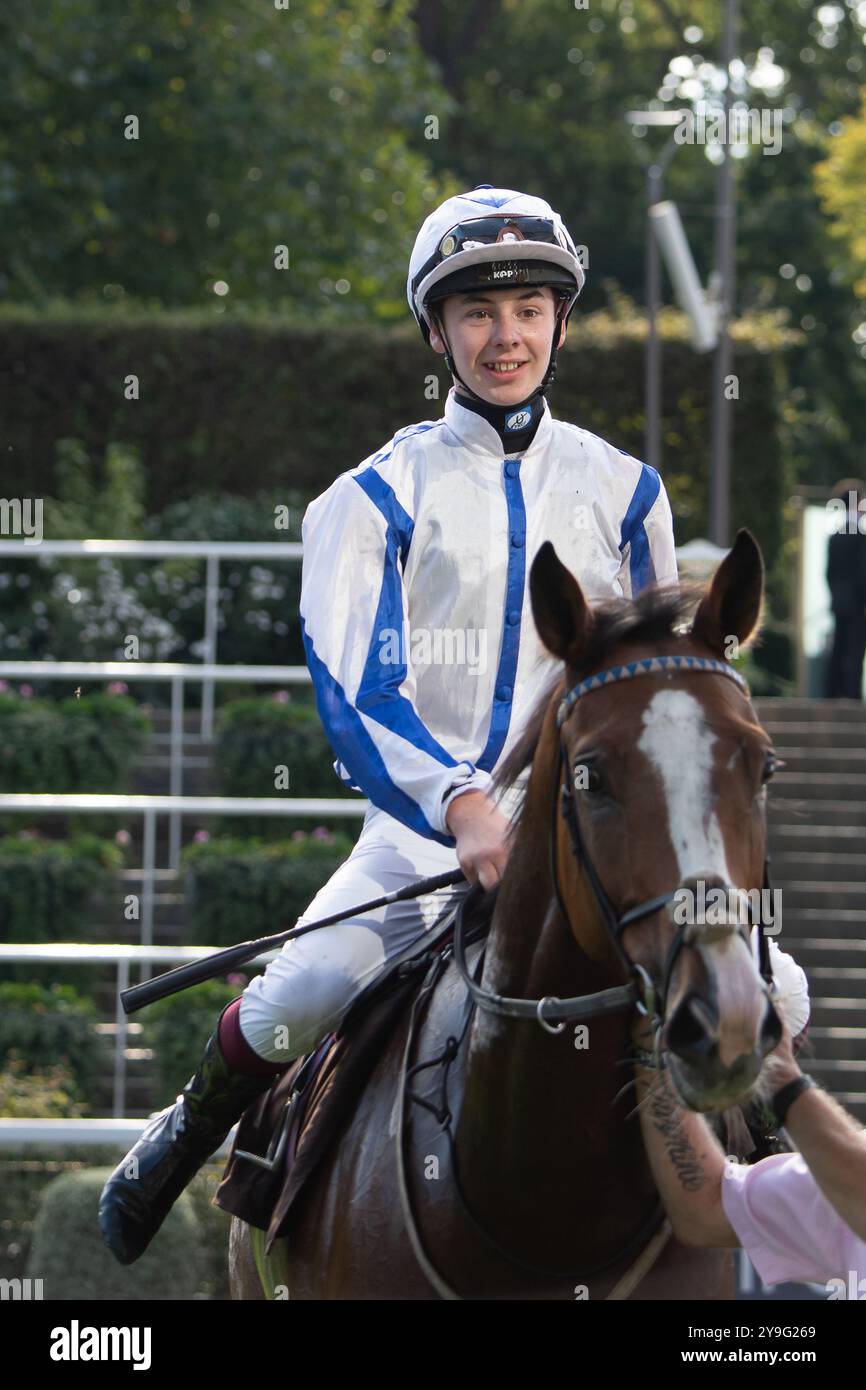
x: 786, y: 1225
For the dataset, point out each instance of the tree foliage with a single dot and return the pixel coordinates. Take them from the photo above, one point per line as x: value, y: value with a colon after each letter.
x: 257, y: 128
x: 840, y: 180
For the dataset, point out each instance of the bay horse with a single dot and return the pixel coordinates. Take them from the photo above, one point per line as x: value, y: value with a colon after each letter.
x: 522, y: 1174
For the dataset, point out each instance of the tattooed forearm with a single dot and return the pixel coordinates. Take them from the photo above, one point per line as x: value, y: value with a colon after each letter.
x: 665, y: 1116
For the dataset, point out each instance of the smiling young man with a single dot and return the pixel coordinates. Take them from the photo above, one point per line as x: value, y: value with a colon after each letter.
x: 433, y: 535
x: 501, y: 343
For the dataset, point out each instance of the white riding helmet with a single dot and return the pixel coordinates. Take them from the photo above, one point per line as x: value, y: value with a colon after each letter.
x: 494, y: 237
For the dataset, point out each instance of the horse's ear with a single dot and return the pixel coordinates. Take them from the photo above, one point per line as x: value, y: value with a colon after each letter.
x: 732, y: 608
x: 561, y: 613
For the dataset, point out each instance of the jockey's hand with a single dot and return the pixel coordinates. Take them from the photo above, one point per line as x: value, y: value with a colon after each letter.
x: 481, y: 832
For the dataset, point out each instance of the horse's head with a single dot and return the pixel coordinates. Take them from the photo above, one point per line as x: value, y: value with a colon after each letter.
x: 664, y: 832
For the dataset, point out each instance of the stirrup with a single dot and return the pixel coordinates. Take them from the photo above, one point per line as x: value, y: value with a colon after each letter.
x: 277, y: 1147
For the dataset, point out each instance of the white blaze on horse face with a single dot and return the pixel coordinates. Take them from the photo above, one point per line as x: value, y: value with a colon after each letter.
x: 680, y: 747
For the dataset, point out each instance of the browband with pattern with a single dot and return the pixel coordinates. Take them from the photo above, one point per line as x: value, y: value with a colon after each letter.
x: 647, y: 666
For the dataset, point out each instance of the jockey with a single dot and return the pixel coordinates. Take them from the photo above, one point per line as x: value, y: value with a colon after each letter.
x: 421, y: 644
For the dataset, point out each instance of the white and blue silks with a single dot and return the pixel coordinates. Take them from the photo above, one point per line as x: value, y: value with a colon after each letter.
x: 426, y: 664
x: 415, y: 603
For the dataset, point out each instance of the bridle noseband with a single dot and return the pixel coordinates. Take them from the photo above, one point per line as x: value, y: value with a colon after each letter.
x: 640, y: 990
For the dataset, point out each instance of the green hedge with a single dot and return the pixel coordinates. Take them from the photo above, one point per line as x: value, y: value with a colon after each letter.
x: 69, y: 1255
x: 237, y: 890
x: 84, y: 744
x: 254, y: 737
x: 306, y: 404
x: 25, y: 1178
x: 43, y: 1026
x: 47, y: 1093
x: 177, y: 1029
x: 46, y: 886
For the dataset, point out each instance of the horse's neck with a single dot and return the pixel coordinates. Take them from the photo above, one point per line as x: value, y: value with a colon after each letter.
x: 541, y: 1154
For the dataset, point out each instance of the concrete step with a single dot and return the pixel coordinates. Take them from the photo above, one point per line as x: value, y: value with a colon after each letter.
x: 829, y: 897
x: 822, y: 761
x: 849, y: 1074
x: 801, y: 943
x: 161, y: 720
x: 854, y: 1102
x: 812, y: 925
x: 846, y: 734
x: 829, y: 865
x: 817, y: 786
x: 779, y: 709
x: 842, y: 1041
x: 833, y: 955
x: 832, y: 1012
x: 840, y: 981
x: 156, y: 781
x: 784, y: 809
x: 837, y: 839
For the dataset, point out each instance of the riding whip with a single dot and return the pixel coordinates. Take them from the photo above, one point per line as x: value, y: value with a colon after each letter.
x: 219, y: 962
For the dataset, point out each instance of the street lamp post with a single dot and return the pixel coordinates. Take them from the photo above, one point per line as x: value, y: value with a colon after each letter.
x: 726, y: 232
x: 655, y: 166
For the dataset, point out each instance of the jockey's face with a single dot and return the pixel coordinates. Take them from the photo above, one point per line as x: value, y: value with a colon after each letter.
x: 499, y: 326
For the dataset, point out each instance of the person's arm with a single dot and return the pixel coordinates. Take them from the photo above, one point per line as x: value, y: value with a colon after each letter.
x: 832, y: 1144
x: 687, y: 1163
x: 353, y: 622
x: 660, y: 533
x: 647, y: 533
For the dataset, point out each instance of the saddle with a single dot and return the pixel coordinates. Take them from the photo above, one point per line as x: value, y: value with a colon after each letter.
x: 283, y: 1137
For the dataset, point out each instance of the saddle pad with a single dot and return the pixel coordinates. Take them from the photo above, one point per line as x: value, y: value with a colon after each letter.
x: 331, y: 1081
x: 337, y: 1074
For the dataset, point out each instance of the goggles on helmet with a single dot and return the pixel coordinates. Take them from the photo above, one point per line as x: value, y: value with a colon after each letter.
x: 488, y: 231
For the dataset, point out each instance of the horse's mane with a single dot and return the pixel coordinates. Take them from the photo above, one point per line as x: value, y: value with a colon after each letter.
x: 656, y: 613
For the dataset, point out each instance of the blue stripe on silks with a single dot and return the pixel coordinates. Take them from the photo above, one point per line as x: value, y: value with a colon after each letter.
x: 500, y: 717
x: 379, y: 691
x: 634, y: 531
x: 384, y: 498
x: 357, y: 751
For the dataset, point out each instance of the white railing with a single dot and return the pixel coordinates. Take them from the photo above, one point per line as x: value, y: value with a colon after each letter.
x: 98, y: 803
x: 211, y: 551
x: 121, y: 956
x: 175, y: 672
x: 111, y: 1134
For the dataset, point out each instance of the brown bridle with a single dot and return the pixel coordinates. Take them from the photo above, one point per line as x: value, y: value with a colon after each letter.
x: 640, y: 990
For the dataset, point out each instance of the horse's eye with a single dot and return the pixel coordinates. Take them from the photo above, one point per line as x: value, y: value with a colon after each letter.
x: 769, y: 767
x: 587, y: 777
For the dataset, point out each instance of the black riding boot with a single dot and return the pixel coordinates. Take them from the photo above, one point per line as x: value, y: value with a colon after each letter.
x: 171, y: 1150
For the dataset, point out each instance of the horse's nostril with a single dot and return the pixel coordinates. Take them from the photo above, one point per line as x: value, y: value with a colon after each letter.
x: 771, y: 1030
x: 692, y: 1030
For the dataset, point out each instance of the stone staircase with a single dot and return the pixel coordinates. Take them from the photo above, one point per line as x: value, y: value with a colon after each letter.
x: 817, y: 819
